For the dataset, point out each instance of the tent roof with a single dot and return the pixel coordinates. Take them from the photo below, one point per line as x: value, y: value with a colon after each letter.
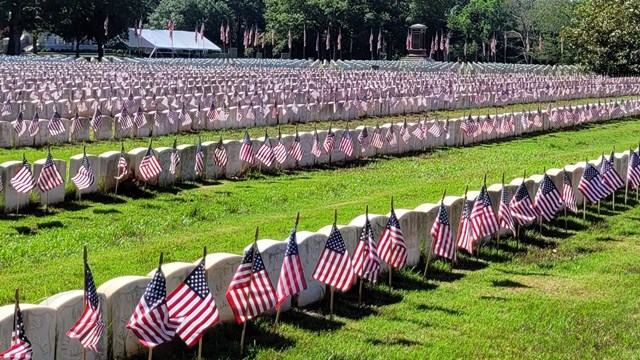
x: 182, y: 40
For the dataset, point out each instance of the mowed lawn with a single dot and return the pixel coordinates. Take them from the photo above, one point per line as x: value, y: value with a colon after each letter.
x: 66, y: 150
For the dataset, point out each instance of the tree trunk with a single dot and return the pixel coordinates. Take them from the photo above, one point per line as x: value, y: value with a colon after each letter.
x: 35, y: 42
x: 77, y: 48
x: 100, y: 50
x: 15, y: 29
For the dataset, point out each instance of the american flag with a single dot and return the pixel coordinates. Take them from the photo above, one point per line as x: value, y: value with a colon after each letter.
x: 184, y: 117
x: 405, y: 135
x: 89, y: 327
x: 366, y: 263
x: 250, y: 292
x: 610, y: 176
x: 334, y: 267
x: 84, y: 178
x: 391, y: 246
x: 140, y: 119
x: 131, y: 102
x: 468, y: 126
x: 125, y: 119
x: 265, y: 153
x: 170, y: 27
x: 363, y: 138
x: 150, y: 321
x: 172, y: 116
x: 391, y: 137
x: 548, y: 199
x: 346, y: 143
x: 633, y: 171
x: 483, y: 218
x: 192, y: 307
x: 435, y: 129
x: 443, y: 244
x: 199, y: 166
x: 34, y: 127
x: 123, y: 166
x: 49, y: 176
x: 291, y: 280
x: 329, y: 141
x: 20, y: 345
x: 591, y: 185
x: 567, y: 193
x: 220, y: 155
x: 246, y: 150
x: 315, y: 147
x: 6, y: 108
x: 521, y: 206
x: 96, y: 120
x: 76, y: 124
x: 376, y: 138
x: 504, y: 213
x: 175, y: 158
x: 55, y: 126
x: 19, y: 125
x: 296, y: 148
x: 150, y: 165
x: 465, y: 238
x: 280, y: 151
x: 23, y: 181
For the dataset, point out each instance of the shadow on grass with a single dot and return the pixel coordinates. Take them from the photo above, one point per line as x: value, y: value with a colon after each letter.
x: 31, y: 230
x: 508, y: 284
x: 494, y: 298
x: 445, y: 310
x: 310, y: 320
x: 392, y: 341
x: 106, y: 211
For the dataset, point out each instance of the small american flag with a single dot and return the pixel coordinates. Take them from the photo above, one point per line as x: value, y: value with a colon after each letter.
x: 172, y: 116
x: 435, y: 129
x: 633, y: 171
x: 20, y: 345
x: 376, y: 138
x: 19, y: 125
x: 90, y: 326
x: 591, y: 185
x: 55, y: 126
x: 84, y: 178
x: 522, y: 207
x: 170, y: 27
x: 366, y: 263
x: 334, y: 267
x: 140, y: 120
x: 279, y: 150
x: 150, y: 165
x: 548, y: 199
x: 96, y: 120
x: 123, y: 166
x: 465, y: 238
x: 443, y: 244
x: 296, y: 148
x: 250, y: 292
x: 568, y: 197
x: 125, y: 119
x: 199, y: 165
x: 175, y: 158
x: 504, y: 213
x: 184, y: 117
x: 246, y: 150
x: 391, y: 246
x: 220, y: 155
x: 76, y: 124
x: 468, y: 126
x: 483, y: 218
x: 346, y: 143
x: 291, y: 280
x: 150, y: 321
x: 192, y: 307
x: 329, y: 141
x: 50, y: 177
x: 265, y: 153
x: 391, y: 136
x: 23, y: 181
x: 405, y: 135
x: 315, y: 147
x: 34, y: 127
x: 610, y: 176
x: 363, y: 138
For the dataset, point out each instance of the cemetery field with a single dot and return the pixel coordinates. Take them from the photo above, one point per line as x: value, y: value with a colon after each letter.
x: 41, y: 252
x: 65, y: 151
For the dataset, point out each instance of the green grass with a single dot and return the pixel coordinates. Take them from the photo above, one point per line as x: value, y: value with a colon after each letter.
x: 125, y: 234
x: 66, y: 150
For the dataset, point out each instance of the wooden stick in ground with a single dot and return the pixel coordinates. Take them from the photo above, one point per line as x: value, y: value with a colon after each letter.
x: 204, y: 256
x: 363, y: 256
x: 254, y: 248
x: 332, y: 290
x: 84, y: 295
x: 391, y: 267
x: 150, y: 353
x: 426, y: 265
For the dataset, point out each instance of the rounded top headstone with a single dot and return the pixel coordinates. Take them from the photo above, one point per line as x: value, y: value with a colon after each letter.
x: 418, y: 27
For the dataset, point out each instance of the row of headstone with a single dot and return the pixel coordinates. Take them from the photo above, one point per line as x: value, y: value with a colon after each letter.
x: 105, y: 166
x: 46, y: 323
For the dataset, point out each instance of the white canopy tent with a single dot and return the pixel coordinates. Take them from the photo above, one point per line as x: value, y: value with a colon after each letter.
x: 153, y: 42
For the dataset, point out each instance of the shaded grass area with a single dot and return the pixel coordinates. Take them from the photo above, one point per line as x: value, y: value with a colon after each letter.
x: 563, y: 294
x: 66, y: 150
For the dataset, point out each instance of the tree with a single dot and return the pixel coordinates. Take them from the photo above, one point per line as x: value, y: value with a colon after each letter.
x: 606, y: 36
x: 17, y: 16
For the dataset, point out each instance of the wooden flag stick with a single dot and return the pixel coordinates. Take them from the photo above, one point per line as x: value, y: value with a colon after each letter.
x: 626, y: 185
x: 254, y: 248
x: 363, y: 255
x: 150, y: 353
x: 584, y: 199
x: 204, y: 256
x: 332, y: 290
x: 84, y: 295
x: 15, y: 311
x: 390, y: 267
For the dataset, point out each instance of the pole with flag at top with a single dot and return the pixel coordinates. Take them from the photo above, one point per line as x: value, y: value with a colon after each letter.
x: 430, y: 251
x: 254, y: 248
x: 204, y: 256
x: 364, y: 254
x: 280, y: 306
x: 332, y: 289
x: 544, y: 172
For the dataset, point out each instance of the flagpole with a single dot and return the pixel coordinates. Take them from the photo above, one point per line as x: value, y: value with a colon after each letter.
x: 584, y: 198
x: 204, y: 256
x: 363, y: 255
x: 498, y: 236
x: 280, y: 307
x: 15, y: 311
x: 626, y: 183
x: 331, y: 288
x: 426, y: 266
x: 566, y: 227
x: 254, y: 248
x: 390, y: 267
x: 84, y: 293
